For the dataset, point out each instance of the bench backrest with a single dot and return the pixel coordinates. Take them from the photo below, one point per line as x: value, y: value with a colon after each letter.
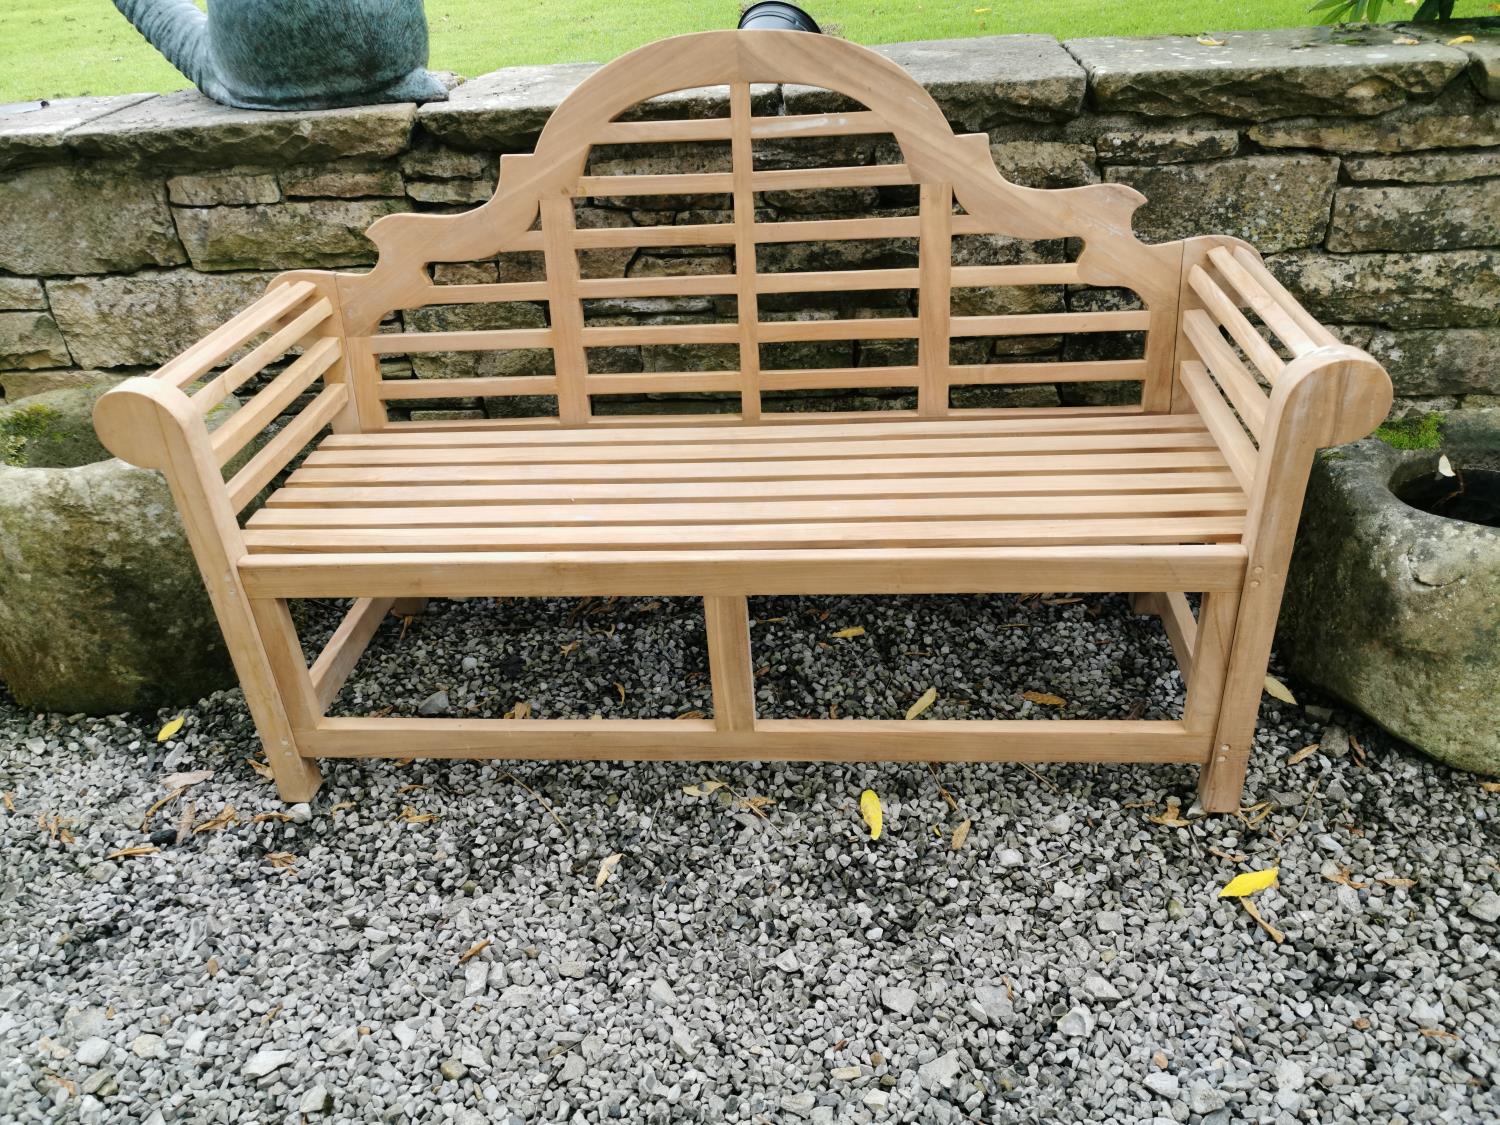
x: 717, y: 269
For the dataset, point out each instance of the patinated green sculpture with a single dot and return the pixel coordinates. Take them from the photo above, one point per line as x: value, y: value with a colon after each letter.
x: 294, y: 54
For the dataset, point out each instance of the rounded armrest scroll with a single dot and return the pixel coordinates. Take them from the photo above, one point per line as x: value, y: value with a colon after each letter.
x: 1331, y: 395
x: 145, y: 420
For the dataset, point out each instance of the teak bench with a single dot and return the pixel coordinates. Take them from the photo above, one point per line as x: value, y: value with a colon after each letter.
x: 1196, y: 487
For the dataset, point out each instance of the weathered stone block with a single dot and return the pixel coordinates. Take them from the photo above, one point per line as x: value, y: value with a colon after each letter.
x: 1273, y: 202
x: 1165, y: 146
x: 475, y: 318
x: 448, y: 164
x: 1425, y: 168
x: 978, y: 83
x: 34, y: 132
x: 450, y: 191
x: 21, y: 293
x: 1451, y: 121
x: 1045, y: 164
x: 1430, y: 217
x: 187, y: 130
x: 214, y: 188
x: 1457, y: 288
x: 65, y: 220
x: 29, y: 340
x: 18, y: 385
x: 146, y: 318
x: 504, y: 110
x: 316, y: 233
x: 339, y: 181
x: 1438, y: 361
x: 1256, y: 75
x: 1483, y: 51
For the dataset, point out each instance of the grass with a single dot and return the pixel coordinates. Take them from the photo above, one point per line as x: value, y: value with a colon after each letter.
x: 59, y: 48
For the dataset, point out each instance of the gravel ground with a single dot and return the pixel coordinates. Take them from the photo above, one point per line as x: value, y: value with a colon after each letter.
x: 746, y: 960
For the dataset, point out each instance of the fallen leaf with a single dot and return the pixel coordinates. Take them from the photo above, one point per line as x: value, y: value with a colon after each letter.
x: 1045, y: 698
x: 702, y: 789
x: 1398, y: 883
x: 139, y: 849
x: 262, y: 817
x: 1405, y: 41
x: 1228, y: 857
x: 159, y: 805
x: 1439, y: 1033
x: 1210, y: 41
x: 10, y: 802
x: 282, y: 861
x: 1361, y: 1024
x: 226, y: 817
x: 852, y: 631
x: 1357, y: 751
x: 871, y: 812
x: 211, y: 967
x: 185, y: 821
x: 412, y: 787
x: 1278, y: 690
x: 960, y: 834
x: 1061, y: 601
x: 185, y: 780
x: 170, y: 728
x: 1343, y: 879
x: 474, y: 951
x: 1171, y: 816
x: 260, y: 767
x: 412, y: 816
x: 1249, y: 883
x: 606, y: 869
x: 929, y: 697
x: 689, y: 715
x: 1445, y: 467
x: 570, y: 648
x: 619, y: 687
x: 1487, y: 786
x: 1276, y: 935
x: 341, y: 806
x: 1305, y: 753
x: 754, y: 804
x: 521, y: 710
x: 1457, y: 39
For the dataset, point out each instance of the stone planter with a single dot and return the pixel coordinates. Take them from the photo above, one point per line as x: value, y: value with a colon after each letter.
x: 101, y: 606
x: 1396, y: 610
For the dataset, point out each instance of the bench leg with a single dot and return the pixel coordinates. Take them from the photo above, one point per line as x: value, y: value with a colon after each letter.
x: 727, y: 621
x: 291, y: 707
x: 408, y: 607
x: 1223, y: 779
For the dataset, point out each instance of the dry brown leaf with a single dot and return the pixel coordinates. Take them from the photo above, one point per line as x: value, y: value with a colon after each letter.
x: 56, y: 828
x: 402, y: 763
x: 1487, y: 786
x: 522, y: 710
x: 411, y: 787
x: 1210, y: 41
x: 412, y: 816
x: 185, y: 821
x: 619, y: 687
x: 1229, y: 857
x: 10, y: 802
x: 185, y: 780
x: 689, y: 715
x: 1398, y: 883
x: 262, y: 817
x: 849, y: 633
x: 703, y: 788
x: 1405, y: 41
x: 211, y: 967
x: 570, y: 648
x: 756, y: 805
x: 282, y: 861
x: 1305, y: 753
x: 139, y: 849
x: 1170, y: 817
x: 1342, y: 878
x: 960, y: 834
x: 1276, y: 935
x: 1361, y: 1024
x: 1439, y: 1033
x: 226, y: 817
x: 606, y: 869
x: 159, y: 805
x: 260, y: 767
x: 1356, y: 751
x: 474, y: 951
x: 1278, y: 690
x: 1061, y: 601
x: 341, y: 806
x: 927, y: 699
x: 1045, y: 698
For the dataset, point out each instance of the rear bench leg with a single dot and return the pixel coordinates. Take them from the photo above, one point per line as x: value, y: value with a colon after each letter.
x: 408, y: 607
x: 289, y: 710
x: 727, y: 623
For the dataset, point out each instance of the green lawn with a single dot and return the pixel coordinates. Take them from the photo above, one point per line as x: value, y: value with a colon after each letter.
x: 55, y: 48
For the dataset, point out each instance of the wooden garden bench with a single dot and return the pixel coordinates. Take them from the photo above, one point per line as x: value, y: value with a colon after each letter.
x: 1196, y: 486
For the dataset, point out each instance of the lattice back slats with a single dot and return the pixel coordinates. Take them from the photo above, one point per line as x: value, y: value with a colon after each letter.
x: 747, y: 300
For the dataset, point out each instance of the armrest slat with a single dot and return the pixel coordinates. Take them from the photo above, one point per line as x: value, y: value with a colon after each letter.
x: 232, y: 378
x: 276, y: 453
x: 208, y: 352
x: 1238, y: 450
x: 1309, y: 323
x: 283, y: 390
x: 1233, y: 376
x: 1266, y: 306
x: 1227, y: 313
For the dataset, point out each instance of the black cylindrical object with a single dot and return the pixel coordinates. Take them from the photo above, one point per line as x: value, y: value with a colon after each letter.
x: 773, y: 15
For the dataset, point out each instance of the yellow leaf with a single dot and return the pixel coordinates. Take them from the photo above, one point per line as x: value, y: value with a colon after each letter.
x: 1249, y: 883
x: 1278, y: 690
x: 1305, y: 753
x: 171, y: 728
x: 1210, y: 41
x: 702, y: 789
x: 1045, y: 698
x: 619, y: 687
x: 852, y: 631
x: 606, y: 869
x: 929, y: 697
x: 521, y: 710
x: 869, y: 809
x: 980, y: 11
x: 960, y: 834
x: 1487, y: 786
x: 1457, y: 39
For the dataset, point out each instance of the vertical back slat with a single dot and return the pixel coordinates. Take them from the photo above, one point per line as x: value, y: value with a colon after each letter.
x: 935, y: 276
x: 569, y: 360
x: 747, y: 305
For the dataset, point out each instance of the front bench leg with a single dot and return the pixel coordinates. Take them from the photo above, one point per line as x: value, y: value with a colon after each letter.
x: 291, y: 709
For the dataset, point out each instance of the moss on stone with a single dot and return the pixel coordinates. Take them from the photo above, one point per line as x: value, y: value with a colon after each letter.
x: 23, y: 426
x: 1413, y: 432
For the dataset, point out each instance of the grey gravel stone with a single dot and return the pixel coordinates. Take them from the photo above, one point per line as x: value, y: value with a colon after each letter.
x: 1487, y: 907
x: 1076, y: 1023
x: 434, y: 704
x: 263, y: 1063
x: 1100, y: 989
x: 316, y: 1100
x: 940, y: 1071
x: 92, y: 1051
x: 300, y: 813
x: 899, y: 1000
x: 149, y: 1046
x: 661, y: 992
x: 799, y: 1104
x: 1163, y: 1083
x: 1009, y: 857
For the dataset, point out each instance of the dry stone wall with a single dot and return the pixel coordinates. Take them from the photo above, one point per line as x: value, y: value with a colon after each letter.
x: 1366, y: 170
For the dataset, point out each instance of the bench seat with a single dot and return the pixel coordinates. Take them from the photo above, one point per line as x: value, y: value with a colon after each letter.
x: 826, y: 493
